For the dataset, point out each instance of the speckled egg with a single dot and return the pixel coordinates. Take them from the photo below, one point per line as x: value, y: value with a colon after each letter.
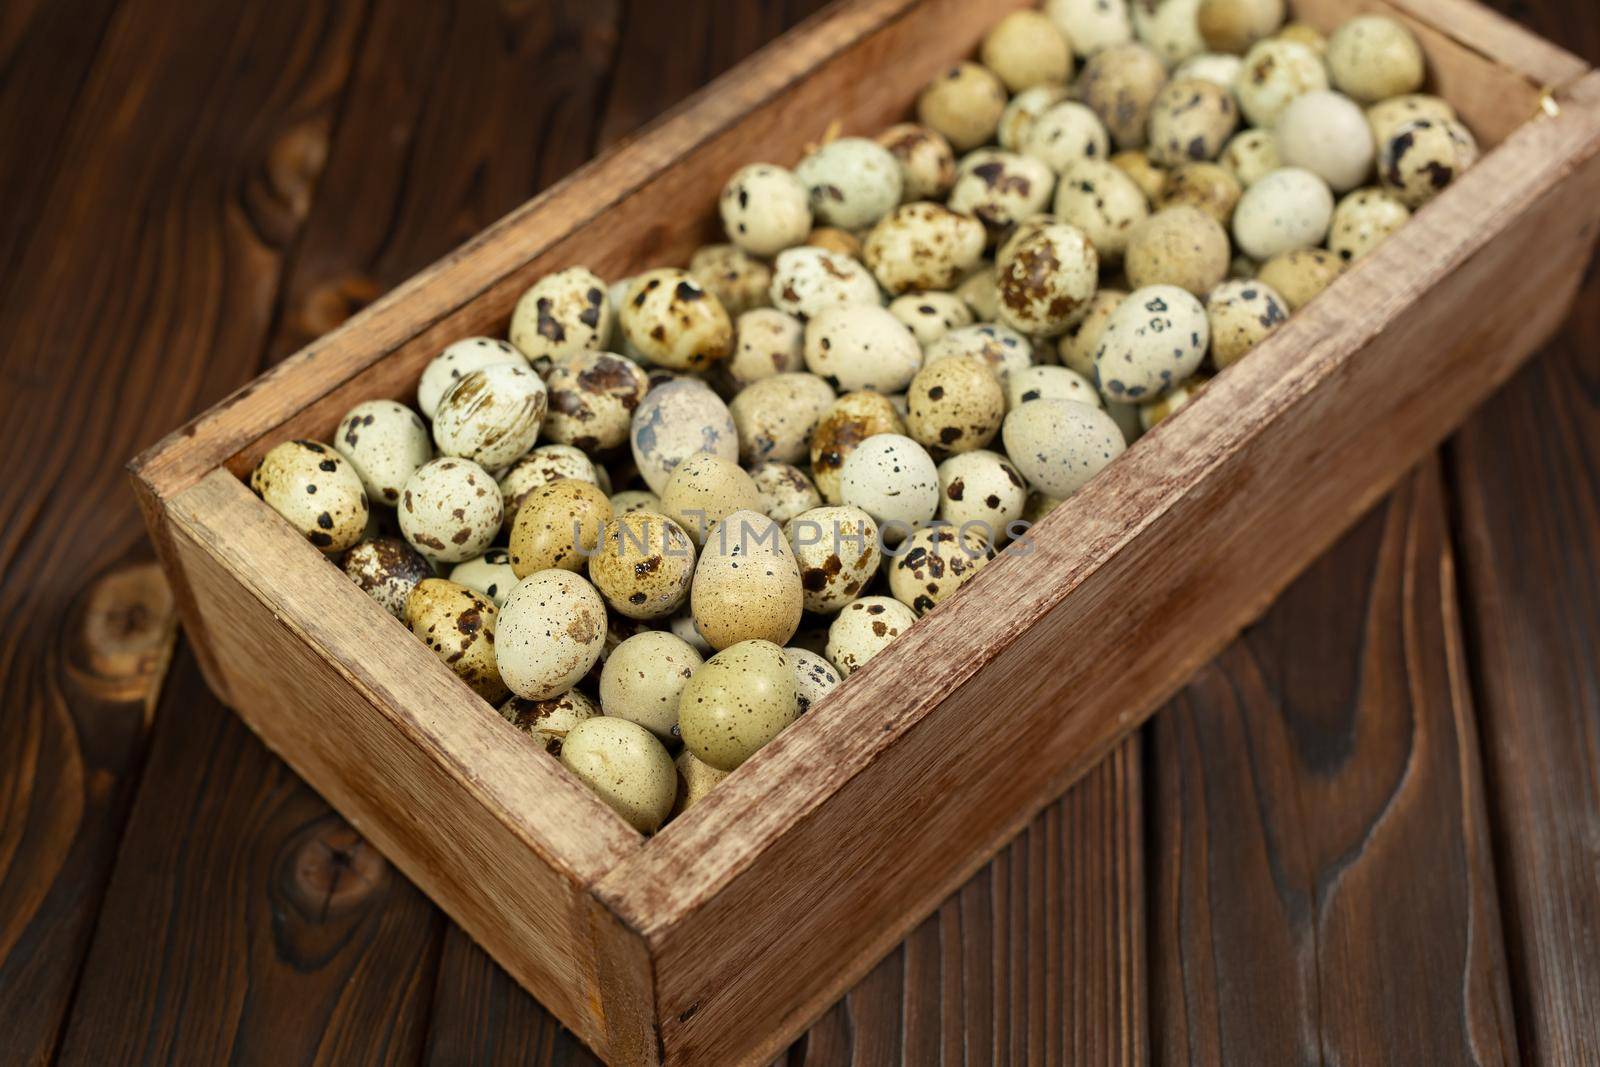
x: 387, y: 569
x: 1061, y: 383
x: 979, y: 292
x: 1104, y: 203
x: 853, y: 348
x: 832, y: 239
x: 865, y: 628
x: 1288, y: 209
x: 853, y: 182
x: 564, y: 312
x: 1058, y: 445
x: 1300, y: 275
x: 460, y: 626
x: 1373, y: 58
x: 1025, y: 49
x: 675, y: 322
x: 558, y: 525
x: 893, y: 479
x: 1080, y: 342
x: 1046, y: 280
x: 593, y: 396
x: 703, y: 490
x: 551, y: 631
x: 927, y: 162
x: 963, y: 105
x: 1219, y: 68
x: 1363, y: 220
x: 643, y: 565
x: 1065, y: 134
x: 1149, y: 176
x: 1250, y: 156
x: 954, y: 405
x: 747, y: 584
x: 385, y: 443
x: 837, y: 551
x: 1421, y: 158
x: 982, y: 491
x: 923, y: 245
x: 1023, y: 110
x: 934, y: 563
x: 1209, y: 187
x: 1388, y: 116
x: 766, y: 342
x: 463, y: 357
x: 814, y: 676
x: 807, y: 281
x: 1001, y: 188
x: 676, y: 420
x: 1234, y: 25
x: 1170, y: 27
x: 545, y: 464
x: 1091, y: 25
x: 1275, y: 74
x: 1152, y: 415
x: 631, y: 500
x: 1191, y: 120
x: 1155, y: 340
x: 784, y: 490
x: 549, y: 721
x: 316, y: 490
x: 775, y: 416
x: 696, y: 780
x: 492, y: 415
x: 1002, y: 348
x: 741, y: 699
x: 929, y: 316
x: 737, y: 279
x: 626, y: 766
x: 643, y: 678
x: 1119, y: 85
x: 490, y: 574
x: 1242, y: 314
x: 851, y: 419
x: 1181, y: 246
x: 765, y: 209
x: 1327, y: 133
x: 450, y: 510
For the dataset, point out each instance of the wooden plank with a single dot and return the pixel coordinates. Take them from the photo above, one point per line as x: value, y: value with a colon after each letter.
x: 1143, y: 575
x: 1322, y: 882
x: 115, y: 321
x: 247, y: 923
x: 1525, y: 473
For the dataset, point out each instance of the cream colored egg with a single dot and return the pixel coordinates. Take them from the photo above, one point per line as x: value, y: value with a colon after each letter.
x: 737, y: 702
x: 1388, y: 116
x: 807, y: 281
x: 643, y: 565
x: 459, y: 625
x: 558, y: 525
x: 785, y: 490
x: 631, y: 500
x: 492, y: 415
x: 1288, y: 209
x: 934, y: 563
x: 1082, y: 340
x: 626, y: 766
x: 316, y: 490
x: 490, y: 574
x: 1001, y: 188
x: 837, y: 551
x: 1058, y: 445
x: 675, y: 421
x: 1373, y: 58
x: 1065, y: 134
x: 1234, y: 25
x: 462, y: 357
x: 386, y: 569
x: 1002, y: 348
x: 1180, y: 246
x: 1275, y: 74
x: 1327, y: 133
x: 696, y: 779
x: 1147, y: 174
x: 705, y: 489
x: 1091, y: 25
x: 1421, y: 158
x: 1363, y: 220
x: 927, y: 162
x: 551, y: 632
x: 593, y: 396
x: 1299, y: 276
x: 1099, y: 199
x: 923, y: 245
x: 963, y: 105
x: 814, y: 676
x: 765, y: 209
x: 982, y: 492
x: 1120, y: 85
x: 1021, y: 113
x: 1209, y: 187
x: 643, y: 678
x: 1059, y: 383
x: 978, y: 291
x: 385, y: 442
x: 853, y: 182
x: 855, y: 348
x: 851, y: 419
x: 545, y: 464
x: 1219, y: 68
x: 737, y: 279
x: 1154, y: 340
x: 1242, y: 314
x: 1046, y: 280
x: 954, y: 406
x: 675, y: 322
x: 1025, y: 49
x: 1170, y: 27
x: 450, y: 510
x: 929, y: 316
x: 549, y: 721
x: 775, y: 416
x: 565, y: 312
x: 893, y: 479
x: 1250, y: 156
x: 1191, y: 120
x: 865, y: 628
x: 746, y: 584
x: 766, y: 342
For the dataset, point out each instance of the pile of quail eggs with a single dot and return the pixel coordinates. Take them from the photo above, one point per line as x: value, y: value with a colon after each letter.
x: 670, y: 513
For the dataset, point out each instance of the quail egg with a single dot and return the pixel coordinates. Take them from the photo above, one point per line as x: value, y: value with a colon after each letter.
x: 1025, y: 49
x: 675, y: 322
x: 738, y: 280
x: 808, y: 281
x: 1288, y: 209
x: 839, y: 242
x: 630, y: 500
x: 1388, y: 116
x: 923, y: 246
x: 954, y: 405
x: 676, y: 420
x: 551, y: 631
x: 963, y: 105
x: 387, y: 569
x: 982, y: 492
x: 705, y: 489
x: 558, y: 525
x: 814, y: 676
x: 593, y: 396
x: 1327, y: 134
x: 1002, y: 348
x: 1058, y: 445
x: 837, y: 551
x: 385, y: 442
x: 1235, y: 25
x: 927, y: 163
x: 934, y: 563
x: 737, y: 702
x: 893, y: 479
x: 1001, y: 188
x: 1275, y: 74
x: 316, y: 490
x: 765, y: 209
x: 1209, y: 187
x: 1170, y: 27
x: 1021, y: 113
x: 1099, y: 199
x: 1065, y: 134
x: 784, y: 490
x: 1156, y: 339
x: 853, y: 182
x: 746, y: 585
x: 766, y: 342
x: 643, y: 678
x: 1091, y: 25
x: 1082, y: 340
x: 1181, y: 246
x: 460, y: 626
x: 565, y: 312
x: 643, y: 565
x: 463, y: 357
x: 626, y: 766
x: 929, y: 316
x: 1119, y: 85
x: 1191, y: 120
x: 1046, y: 279
x: 450, y: 510
x: 1363, y: 220
x: 696, y: 779
x: 852, y: 419
x: 490, y: 574
x: 1373, y: 58
x: 775, y: 416
x: 1250, y: 156
x: 1422, y: 157
x: 545, y: 464
x: 861, y: 347
x: 1220, y: 68
x: 1298, y: 276
x: 1242, y: 314
x: 492, y: 415
x: 864, y: 628
x: 548, y: 721
x: 1062, y: 383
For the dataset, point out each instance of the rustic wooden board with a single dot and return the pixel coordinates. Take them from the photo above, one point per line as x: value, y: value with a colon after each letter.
x: 1322, y: 882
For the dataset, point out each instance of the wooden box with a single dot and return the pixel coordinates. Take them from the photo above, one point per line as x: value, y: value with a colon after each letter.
x: 722, y: 937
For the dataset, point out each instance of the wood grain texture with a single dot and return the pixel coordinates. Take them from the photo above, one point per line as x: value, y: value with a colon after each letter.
x: 1322, y: 882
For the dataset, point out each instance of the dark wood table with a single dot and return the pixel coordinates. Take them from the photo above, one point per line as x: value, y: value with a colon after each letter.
x: 1369, y: 831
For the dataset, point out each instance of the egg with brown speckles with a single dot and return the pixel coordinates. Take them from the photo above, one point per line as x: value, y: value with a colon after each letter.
x: 545, y: 464
x: 644, y: 565
x: 492, y: 415
x: 1045, y: 381
x: 593, y: 396
x: 1001, y: 188
x: 775, y: 416
x: 1002, y: 348
x: 387, y: 569
x: 1101, y: 200
x: 705, y: 489
x: 450, y: 510
x: 1065, y: 134
x: 385, y: 442
x: 746, y: 584
x: 982, y: 492
x: 923, y: 245
x: 807, y: 281
x: 865, y: 628
x: 954, y: 405
x: 1058, y: 445
x: 854, y: 348
x: 838, y: 553
x: 1208, y: 187
x: 558, y: 525
x: 934, y: 563
x: 630, y: 500
x: 462, y: 357
x: 643, y: 678
x: 1191, y: 120
x: 765, y: 209
x: 1170, y: 27
x: 1119, y: 85
x: 490, y: 574
x: 927, y: 162
x: 1242, y: 315
x: 1154, y: 340
x: 1180, y: 246
x: 736, y: 278
x: 1299, y: 276
x: 737, y: 702
x: 549, y: 721
x: 766, y: 342
x: 963, y: 105
x: 626, y: 766
x: 851, y: 419
x: 1250, y: 156
x: 551, y: 632
x: 1362, y: 221
x: 459, y: 625
x: 676, y: 420
x: 784, y: 489
x: 564, y: 312
x: 1276, y: 73
x: 316, y: 490
x: 1046, y: 279
x: 1022, y: 112
x: 893, y: 479
x: 853, y: 182
x: 929, y: 316
x: 1388, y: 116
x: 672, y: 320
x: 1082, y: 340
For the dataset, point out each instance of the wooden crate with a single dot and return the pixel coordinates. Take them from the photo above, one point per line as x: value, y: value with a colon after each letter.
x: 723, y: 936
